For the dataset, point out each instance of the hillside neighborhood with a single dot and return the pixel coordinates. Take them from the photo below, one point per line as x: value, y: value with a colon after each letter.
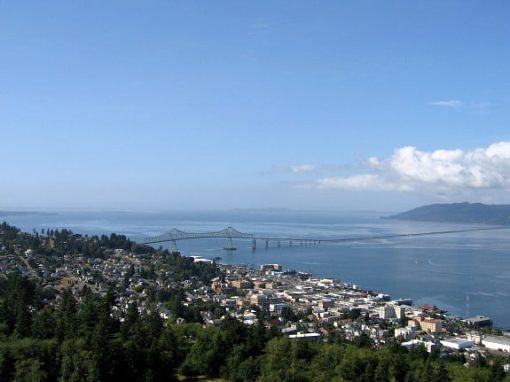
x: 182, y: 289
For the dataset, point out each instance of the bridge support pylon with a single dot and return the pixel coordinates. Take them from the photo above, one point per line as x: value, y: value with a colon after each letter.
x: 254, y: 245
x: 267, y: 244
x: 230, y: 245
x: 173, y: 246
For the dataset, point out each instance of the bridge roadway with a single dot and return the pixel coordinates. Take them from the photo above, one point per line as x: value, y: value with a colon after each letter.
x: 230, y: 233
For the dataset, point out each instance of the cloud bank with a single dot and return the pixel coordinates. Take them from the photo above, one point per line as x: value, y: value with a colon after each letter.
x: 451, y: 103
x: 298, y: 168
x: 440, y: 171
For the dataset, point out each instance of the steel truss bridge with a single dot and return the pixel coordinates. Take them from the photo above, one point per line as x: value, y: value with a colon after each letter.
x: 230, y: 233
x: 175, y: 234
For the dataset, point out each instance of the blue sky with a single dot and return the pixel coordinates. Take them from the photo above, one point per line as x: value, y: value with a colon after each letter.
x: 147, y: 105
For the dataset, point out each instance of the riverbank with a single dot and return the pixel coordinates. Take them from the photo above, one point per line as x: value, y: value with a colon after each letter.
x: 439, y: 270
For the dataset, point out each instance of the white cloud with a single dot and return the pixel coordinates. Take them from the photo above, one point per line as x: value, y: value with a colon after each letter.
x: 440, y: 171
x: 356, y: 183
x: 297, y: 168
x: 451, y: 103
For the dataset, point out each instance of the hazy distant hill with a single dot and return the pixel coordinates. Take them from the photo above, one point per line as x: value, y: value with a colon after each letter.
x: 459, y: 213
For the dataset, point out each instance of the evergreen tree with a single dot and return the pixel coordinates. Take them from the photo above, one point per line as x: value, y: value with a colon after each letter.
x: 43, y: 326
x: 66, y: 325
x: 29, y: 370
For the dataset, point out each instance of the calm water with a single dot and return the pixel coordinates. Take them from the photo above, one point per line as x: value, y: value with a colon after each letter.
x: 442, y: 270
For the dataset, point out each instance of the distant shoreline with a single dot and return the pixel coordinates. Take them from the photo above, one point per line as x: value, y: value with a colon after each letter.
x: 25, y: 213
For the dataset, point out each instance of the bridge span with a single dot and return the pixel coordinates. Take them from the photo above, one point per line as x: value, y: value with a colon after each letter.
x: 175, y: 234
x: 230, y: 233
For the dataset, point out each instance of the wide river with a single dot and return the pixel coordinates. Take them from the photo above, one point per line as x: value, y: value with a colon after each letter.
x: 465, y: 273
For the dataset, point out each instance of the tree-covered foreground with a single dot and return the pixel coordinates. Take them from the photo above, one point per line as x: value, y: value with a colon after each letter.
x: 83, y: 342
